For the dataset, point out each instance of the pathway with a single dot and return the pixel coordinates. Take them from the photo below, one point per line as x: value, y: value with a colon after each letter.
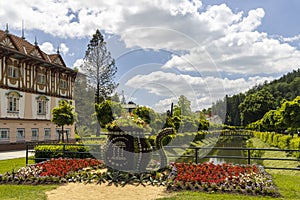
x: 12, y: 154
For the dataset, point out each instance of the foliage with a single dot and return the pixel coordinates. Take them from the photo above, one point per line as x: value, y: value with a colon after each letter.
x: 183, y: 108
x: 145, y: 113
x: 63, y: 115
x: 255, y: 106
x: 128, y: 122
x: 107, y: 111
x: 281, y: 141
x: 44, y: 152
x: 99, y: 67
x: 284, y: 88
x: 286, y: 116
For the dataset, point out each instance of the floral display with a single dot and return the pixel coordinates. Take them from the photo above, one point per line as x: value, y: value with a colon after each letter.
x: 203, y: 177
x: 209, y: 177
x: 61, y: 167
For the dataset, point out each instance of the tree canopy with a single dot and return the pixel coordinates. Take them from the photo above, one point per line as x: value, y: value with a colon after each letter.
x: 99, y: 67
x: 63, y: 115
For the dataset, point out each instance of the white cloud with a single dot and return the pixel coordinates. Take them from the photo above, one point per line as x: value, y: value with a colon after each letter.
x: 47, y: 47
x: 203, y: 40
x: 78, y: 63
x: 201, y: 91
x: 63, y: 48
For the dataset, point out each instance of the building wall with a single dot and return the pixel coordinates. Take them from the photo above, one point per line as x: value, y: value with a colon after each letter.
x: 28, y: 126
x: 27, y: 77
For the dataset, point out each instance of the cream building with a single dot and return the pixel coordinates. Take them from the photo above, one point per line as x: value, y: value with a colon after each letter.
x: 31, y: 85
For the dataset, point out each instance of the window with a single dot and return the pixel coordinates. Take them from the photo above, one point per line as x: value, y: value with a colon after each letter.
x: 42, y: 105
x: 12, y: 71
x: 4, y: 134
x: 20, y: 134
x: 41, y: 78
x: 58, y: 131
x: 63, y: 84
x: 47, y: 132
x: 13, y: 101
x: 34, y: 133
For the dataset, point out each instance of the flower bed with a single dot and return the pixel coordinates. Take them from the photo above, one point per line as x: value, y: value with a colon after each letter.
x: 206, y: 177
x: 246, y: 179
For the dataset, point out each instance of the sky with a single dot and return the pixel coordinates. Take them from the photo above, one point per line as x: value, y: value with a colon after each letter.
x: 202, y: 49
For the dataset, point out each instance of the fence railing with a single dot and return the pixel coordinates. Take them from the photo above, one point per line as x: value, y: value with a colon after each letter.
x: 196, y: 156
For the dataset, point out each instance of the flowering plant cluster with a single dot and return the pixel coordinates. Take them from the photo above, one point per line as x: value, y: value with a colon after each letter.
x: 51, y: 171
x: 61, y: 167
x: 247, y: 179
x: 206, y: 177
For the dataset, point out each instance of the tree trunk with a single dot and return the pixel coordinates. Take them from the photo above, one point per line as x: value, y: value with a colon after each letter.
x: 58, y: 136
x: 98, y: 130
x: 67, y: 137
x: 62, y: 134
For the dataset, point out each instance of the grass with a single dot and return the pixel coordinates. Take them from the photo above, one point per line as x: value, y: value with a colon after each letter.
x: 12, y: 164
x: 24, y: 192
x: 21, y: 192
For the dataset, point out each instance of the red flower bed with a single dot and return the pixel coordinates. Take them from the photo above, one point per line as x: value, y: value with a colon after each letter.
x: 61, y: 167
x: 210, y: 173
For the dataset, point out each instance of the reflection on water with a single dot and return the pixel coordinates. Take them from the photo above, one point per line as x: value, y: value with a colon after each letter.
x: 217, y: 160
x: 238, y: 142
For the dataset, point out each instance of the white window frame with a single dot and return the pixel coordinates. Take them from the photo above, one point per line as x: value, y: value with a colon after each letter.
x: 34, y: 133
x: 20, y: 136
x: 13, y: 102
x: 41, y: 107
x: 2, y: 132
x: 46, y: 131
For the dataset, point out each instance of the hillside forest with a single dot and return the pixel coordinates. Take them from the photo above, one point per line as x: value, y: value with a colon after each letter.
x: 273, y: 106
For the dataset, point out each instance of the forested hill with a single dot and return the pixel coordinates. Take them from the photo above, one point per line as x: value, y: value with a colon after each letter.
x: 244, y: 108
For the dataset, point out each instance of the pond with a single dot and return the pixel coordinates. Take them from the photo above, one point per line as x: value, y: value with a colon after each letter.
x: 236, y: 142
x: 223, y: 141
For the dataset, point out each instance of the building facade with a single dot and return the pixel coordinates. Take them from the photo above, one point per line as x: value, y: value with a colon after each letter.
x: 31, y: 85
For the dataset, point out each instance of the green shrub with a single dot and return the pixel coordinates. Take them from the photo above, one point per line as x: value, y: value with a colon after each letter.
x: 283, y: 142
x: 295, y: 144
x: 44, y: 152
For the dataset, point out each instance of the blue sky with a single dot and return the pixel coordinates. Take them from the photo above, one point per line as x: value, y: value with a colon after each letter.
x: 164, y: 49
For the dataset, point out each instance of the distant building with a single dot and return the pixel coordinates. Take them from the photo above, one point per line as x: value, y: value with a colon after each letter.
x: 216, y: 119
x: 129, y: 107
x: 31, y: 85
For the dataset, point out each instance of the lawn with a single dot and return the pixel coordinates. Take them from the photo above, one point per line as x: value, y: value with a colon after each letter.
x: 22, y: 192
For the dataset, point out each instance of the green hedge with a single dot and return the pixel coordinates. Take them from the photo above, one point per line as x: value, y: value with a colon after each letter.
x: 44, y: 152
x: 281, y: 141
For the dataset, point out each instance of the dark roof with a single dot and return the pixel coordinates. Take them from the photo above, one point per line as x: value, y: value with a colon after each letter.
x: 22, y: 46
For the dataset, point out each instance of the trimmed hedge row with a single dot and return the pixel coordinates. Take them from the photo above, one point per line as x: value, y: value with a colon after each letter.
x: 281, y: 141
x: 44, y: 152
